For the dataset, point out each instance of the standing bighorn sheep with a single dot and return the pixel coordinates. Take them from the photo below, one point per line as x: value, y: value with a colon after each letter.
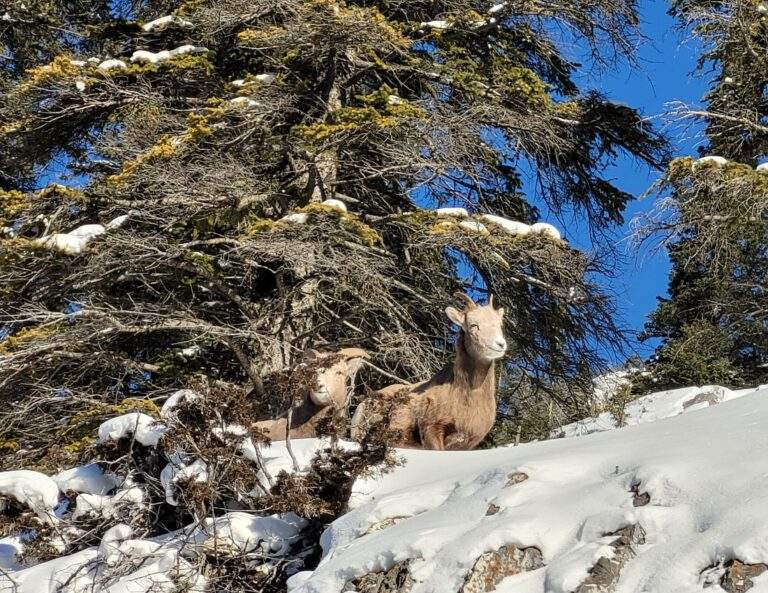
x: 325, y: 397
x: 456, y: 408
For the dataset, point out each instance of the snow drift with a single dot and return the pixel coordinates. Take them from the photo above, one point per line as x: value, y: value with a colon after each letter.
x: 696, y: 484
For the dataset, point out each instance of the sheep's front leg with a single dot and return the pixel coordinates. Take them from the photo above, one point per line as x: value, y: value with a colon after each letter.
x: 433, y: 437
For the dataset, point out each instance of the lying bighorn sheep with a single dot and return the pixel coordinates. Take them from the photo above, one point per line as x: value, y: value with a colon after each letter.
x: 326, y: 397
x: 456, y: 408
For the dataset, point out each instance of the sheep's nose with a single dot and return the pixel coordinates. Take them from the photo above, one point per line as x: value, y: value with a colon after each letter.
x: 501, y: 344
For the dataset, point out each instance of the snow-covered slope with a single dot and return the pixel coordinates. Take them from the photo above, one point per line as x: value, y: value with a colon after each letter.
x: 668, y: 505
x: 649, y: 408
x: 706, y: 473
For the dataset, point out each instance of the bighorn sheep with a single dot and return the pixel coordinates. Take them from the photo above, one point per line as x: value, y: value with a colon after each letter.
x: 456, y: 408
x: 325, y: 398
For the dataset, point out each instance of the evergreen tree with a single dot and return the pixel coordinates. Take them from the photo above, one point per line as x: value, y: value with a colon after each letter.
x: 713, y: 215
x: 191, y: 138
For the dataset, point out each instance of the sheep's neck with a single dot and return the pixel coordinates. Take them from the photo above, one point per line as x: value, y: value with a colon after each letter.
x: 474, y: 377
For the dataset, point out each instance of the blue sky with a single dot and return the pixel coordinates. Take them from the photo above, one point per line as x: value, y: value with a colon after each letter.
x: 664, y: 73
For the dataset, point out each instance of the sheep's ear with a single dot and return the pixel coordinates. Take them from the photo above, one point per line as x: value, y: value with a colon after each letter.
x: 500, y: 312
x: 455, y: 316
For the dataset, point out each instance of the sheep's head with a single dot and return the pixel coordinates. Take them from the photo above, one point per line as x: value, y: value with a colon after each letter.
x: 330, y: 388
x: 483, y: 327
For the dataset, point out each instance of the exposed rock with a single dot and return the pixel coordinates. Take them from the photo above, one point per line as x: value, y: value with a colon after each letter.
x: 709, y: 397
x: 395, y: 580
x: 738, y: 576
x: 492, y: 567
x: 639, y: 499
x: 385, y: 523
x: 604, y: 575
x: 515, y: 478
x: 488, y: 571
x: 492, y: 510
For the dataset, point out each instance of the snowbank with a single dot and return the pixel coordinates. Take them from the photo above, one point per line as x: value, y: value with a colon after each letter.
x: 119, y: 565
x: 700, y: 483
x: 667, y: 502
x: 655, y: 406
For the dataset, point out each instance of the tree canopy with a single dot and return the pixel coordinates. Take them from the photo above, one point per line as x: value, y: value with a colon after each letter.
x: 204, y: 137
x: 712, y: 214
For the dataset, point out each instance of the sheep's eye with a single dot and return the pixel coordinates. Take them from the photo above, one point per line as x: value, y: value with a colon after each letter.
x: 474, y: 327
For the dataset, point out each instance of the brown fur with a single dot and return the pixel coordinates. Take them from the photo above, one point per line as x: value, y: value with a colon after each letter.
x: 323, y: 400
x: 456, y: 408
